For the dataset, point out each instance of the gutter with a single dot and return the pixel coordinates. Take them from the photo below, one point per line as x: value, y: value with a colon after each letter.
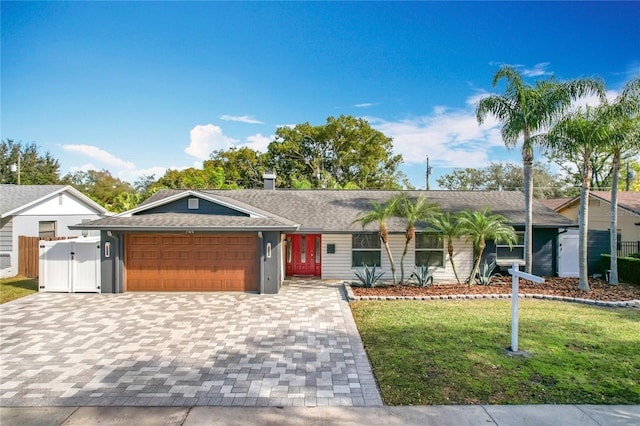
x: 184, y: 228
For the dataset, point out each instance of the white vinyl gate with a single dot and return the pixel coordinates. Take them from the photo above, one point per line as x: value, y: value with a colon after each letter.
x: 568, y: 254
x: 70, y: 266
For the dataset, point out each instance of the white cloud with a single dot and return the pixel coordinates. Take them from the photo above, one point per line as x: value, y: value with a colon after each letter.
x: 538, y: 70
x: 101, y: 155
x: 452, y: 137
x: 207, y: 138
x: 240, y: 118
x: 364, y: 105
x: 133, y: 175
x: 258, y: 142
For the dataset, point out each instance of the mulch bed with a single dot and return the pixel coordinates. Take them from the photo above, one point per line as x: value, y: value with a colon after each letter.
x: 566, y: 287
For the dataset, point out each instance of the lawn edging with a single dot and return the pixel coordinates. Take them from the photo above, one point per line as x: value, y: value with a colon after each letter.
x: 351, y: 297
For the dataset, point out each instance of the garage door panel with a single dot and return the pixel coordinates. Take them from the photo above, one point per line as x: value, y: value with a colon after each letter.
x: 192, y: 263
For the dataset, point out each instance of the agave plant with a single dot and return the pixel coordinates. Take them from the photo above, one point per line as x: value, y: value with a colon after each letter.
x: 485, y: 274
x: 422, y: 276
x: 368, y: 277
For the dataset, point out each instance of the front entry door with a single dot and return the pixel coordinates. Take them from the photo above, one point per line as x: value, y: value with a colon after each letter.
x: 303, y: 254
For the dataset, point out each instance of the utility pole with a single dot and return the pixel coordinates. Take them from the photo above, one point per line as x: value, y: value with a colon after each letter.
x: 628, y: 179
x: 428, y: 172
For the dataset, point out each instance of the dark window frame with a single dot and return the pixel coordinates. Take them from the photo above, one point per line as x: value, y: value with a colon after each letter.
x: 366, y: 249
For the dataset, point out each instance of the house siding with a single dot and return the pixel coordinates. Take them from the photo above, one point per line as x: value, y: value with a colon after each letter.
x: 6, y: 236
x: 338, y: 265
x: 204, y: 207
x: 544, y: 251
x: 599, y: 213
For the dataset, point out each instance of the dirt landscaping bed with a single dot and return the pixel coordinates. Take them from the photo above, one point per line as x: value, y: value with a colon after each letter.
x: 564, y: 287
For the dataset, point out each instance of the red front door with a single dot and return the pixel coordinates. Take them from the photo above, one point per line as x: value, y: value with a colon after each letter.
x: 303, y: 254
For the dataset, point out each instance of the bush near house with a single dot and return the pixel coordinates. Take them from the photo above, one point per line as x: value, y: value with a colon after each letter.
x: 628, y: 268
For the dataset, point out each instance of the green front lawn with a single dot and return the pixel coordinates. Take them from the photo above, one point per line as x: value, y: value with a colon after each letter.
x: 17, y: 287
x: 452, y: 352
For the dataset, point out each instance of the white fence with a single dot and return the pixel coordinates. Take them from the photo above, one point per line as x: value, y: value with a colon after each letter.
x: 70, y: 266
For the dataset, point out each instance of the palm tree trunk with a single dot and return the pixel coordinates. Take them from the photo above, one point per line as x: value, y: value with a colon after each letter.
x: 384, y: 236
x: 393, y: 266
x: 408, y: 237
x: 453, y: 265
x: 527, y: 160
x: 613, y: 228
x: 583, y: 221
x: 476, y: 264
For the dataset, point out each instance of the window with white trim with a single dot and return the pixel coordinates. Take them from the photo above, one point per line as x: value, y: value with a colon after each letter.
x: 47, y: 228
x: 515, y: 252
x: 429, y: 249
x: 365, y: 249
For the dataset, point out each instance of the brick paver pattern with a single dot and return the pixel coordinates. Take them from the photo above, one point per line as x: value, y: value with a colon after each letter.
x: 297, y: 348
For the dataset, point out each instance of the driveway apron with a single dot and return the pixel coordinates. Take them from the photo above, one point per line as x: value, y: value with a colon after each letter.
x: 297, y: 348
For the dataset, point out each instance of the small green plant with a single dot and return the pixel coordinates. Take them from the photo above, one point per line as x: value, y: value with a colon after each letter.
x: 485, y: 274
x: 422, y: 277
x: 368, y: 277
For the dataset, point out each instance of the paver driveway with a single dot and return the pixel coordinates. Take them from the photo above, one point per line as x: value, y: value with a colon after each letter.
x: 299, y: 347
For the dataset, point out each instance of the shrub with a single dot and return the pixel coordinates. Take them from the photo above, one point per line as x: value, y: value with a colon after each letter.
x: 422, y: 277
x: 368, y: 277
x: 485, y: 274
x: 628, y: 268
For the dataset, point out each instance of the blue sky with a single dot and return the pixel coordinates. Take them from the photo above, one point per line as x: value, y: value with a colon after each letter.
x: 138, y: 87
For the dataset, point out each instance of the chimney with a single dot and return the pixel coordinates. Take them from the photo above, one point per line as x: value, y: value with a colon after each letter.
x: 269, y: 179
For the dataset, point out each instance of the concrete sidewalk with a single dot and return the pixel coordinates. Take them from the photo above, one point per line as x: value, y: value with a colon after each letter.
x: 458, y: 415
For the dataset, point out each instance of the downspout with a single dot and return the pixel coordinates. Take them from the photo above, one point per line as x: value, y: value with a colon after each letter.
x: 261, y: 265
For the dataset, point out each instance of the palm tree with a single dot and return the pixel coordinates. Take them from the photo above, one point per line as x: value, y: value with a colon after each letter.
x: 419, y: 211
x: 481, y: 226
x: 449, y: 227
x: 623, y: 138
x: 380, y: 213
x: 523, y: 111
x: 579, y: 136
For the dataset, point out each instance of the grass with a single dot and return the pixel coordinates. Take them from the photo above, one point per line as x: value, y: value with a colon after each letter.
x: 453, y: 352
x: 17, y: 287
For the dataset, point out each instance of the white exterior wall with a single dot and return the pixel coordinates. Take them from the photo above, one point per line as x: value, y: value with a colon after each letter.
x: 62, y: 208
x: 338, y: 265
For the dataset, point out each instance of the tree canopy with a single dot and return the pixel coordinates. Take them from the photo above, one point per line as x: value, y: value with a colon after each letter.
x: 100, y: 186
x: 500, y: 176
x: 35, y: 168
x: 345, y: 152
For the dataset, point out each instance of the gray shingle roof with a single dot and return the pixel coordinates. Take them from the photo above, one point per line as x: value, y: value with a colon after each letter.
x: 15, y: 196
x: 182, y: 221
x: 335, y: 210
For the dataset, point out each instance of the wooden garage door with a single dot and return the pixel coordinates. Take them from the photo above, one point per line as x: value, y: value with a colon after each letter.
x: 169, y: 262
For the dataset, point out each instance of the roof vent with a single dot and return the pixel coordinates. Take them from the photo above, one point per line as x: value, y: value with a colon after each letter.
x: 269, y: 179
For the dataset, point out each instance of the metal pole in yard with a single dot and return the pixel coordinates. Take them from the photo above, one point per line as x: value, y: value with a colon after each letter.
x: 514, y: 308
x: 516, y: 274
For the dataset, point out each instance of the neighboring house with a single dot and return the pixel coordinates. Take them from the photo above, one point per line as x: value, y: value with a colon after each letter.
x: 250, y: 240
x: 599, y: 212
x: 40, y: 211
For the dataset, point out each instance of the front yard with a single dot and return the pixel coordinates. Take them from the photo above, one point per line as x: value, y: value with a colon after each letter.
x: 452, y: 352
x: 17, y: 287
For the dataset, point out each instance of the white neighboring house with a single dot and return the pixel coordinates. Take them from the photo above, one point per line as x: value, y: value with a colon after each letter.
x: 40, y: 211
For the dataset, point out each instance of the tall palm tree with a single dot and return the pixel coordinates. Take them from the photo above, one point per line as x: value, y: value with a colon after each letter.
x: 419, y: 211
x: 447, y: 225
x: 524, y: 110
x: 481, y: 226
x: 380, y: 213
x: 580, y: 135
x: 623, y: 137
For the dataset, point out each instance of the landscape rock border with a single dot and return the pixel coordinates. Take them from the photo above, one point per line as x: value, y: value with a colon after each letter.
x: 351, y: 297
